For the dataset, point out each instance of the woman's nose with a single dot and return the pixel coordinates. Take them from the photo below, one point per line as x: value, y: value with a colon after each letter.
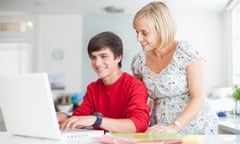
x: 139, y: 38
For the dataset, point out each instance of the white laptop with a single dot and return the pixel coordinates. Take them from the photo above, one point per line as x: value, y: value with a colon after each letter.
x: 28, y: 107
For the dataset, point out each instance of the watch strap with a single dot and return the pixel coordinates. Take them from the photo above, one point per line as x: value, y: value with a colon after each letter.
x: 98, y: 121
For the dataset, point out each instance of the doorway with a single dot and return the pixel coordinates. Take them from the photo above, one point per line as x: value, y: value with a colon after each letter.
x: 15, y: 57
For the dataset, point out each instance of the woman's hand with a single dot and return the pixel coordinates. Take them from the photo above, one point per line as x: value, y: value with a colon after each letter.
x: 163, y: 129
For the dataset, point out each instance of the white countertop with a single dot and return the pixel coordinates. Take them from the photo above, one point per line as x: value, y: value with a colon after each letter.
x: 6, y: 138
x: 229, y: 124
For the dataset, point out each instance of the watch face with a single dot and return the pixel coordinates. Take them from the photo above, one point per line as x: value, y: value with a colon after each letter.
x: 58, y: 54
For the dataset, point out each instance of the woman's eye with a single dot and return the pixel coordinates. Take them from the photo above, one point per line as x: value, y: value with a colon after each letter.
x: 145, y: 33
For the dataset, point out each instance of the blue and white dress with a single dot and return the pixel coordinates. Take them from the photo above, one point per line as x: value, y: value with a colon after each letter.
x: 170, y: 92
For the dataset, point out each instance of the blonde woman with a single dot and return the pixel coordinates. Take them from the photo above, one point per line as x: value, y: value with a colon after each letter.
x: 173, y: 74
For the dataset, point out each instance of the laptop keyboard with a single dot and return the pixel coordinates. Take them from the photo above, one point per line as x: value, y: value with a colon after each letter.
x: 81, y: 136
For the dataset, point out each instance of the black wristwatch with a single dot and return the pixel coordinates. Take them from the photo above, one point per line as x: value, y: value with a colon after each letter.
x: 98, y: 122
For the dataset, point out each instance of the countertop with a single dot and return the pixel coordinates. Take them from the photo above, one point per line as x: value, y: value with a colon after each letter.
x: 6, y: 138
x: 229, y: 124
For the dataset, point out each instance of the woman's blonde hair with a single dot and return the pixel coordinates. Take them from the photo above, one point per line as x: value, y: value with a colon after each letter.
x: 158, y: 18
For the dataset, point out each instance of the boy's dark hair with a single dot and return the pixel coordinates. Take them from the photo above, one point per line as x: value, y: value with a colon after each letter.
x: 106, y: 40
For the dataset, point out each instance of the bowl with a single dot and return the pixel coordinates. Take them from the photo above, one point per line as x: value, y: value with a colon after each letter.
x: 65, y: 108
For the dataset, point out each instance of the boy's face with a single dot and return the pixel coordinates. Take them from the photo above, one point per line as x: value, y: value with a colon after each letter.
x: 103, y: 62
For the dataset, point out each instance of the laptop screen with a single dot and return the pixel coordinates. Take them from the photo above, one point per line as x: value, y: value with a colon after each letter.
x: 27, y: 105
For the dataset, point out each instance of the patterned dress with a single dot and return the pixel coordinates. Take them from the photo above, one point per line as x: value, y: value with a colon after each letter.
x: 169, y: 90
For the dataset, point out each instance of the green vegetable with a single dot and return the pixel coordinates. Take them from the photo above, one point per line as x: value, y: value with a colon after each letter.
x: 236, y: 93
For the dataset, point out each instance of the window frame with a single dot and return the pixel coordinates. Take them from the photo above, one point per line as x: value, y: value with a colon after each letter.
x: 233, y: 11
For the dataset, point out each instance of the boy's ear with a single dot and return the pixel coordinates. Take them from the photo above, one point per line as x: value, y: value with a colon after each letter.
x: 119, y: 58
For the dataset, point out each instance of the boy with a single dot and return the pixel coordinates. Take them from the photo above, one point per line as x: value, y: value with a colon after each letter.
x: 117, y: 101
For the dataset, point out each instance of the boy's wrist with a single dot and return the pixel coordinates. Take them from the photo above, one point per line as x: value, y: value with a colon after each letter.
x: 98, y: 121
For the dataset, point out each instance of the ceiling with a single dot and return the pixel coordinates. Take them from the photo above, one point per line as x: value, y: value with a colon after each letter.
x: 97, y: 6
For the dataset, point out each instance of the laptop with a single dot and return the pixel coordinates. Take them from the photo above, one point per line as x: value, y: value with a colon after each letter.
x: 2, y: 124
x: 28, y: 108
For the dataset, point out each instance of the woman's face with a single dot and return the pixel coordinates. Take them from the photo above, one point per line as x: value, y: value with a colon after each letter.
x: 148, y: 39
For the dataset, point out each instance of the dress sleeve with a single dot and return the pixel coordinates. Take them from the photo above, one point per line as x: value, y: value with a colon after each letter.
x: 137, y: 66
x: 189, y: 53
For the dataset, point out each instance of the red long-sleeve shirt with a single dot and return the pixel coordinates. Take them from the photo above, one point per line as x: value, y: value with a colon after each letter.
x: 125, y: 98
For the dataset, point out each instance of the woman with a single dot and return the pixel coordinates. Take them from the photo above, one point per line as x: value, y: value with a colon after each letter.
x: 173, y: 73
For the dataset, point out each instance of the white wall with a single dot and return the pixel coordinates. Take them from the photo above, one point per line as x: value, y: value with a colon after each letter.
x: 61, y: 32
x: 204, y: 29
x: 207, y: 30
x: 121, y: 25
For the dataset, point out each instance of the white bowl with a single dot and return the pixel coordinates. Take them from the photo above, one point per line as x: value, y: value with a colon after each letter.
x: 65, y: 108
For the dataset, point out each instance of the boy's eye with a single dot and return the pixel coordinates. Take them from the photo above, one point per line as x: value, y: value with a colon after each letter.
x: 92, y: 57
x: 104, y: 56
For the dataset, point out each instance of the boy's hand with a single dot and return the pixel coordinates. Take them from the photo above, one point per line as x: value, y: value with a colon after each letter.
x: 61, y: 117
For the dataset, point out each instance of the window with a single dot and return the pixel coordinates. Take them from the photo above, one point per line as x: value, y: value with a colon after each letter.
x: 236, y: 49
x: 16, y: 26
x: 234, y: 13
x: 16, y: 42
x: 14, y: 58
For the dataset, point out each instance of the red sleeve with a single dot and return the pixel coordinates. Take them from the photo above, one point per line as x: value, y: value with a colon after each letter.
x: 86, y: 107
x: 138, y: 110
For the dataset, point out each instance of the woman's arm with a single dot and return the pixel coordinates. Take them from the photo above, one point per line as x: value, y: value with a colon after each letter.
x: 195, y: 77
